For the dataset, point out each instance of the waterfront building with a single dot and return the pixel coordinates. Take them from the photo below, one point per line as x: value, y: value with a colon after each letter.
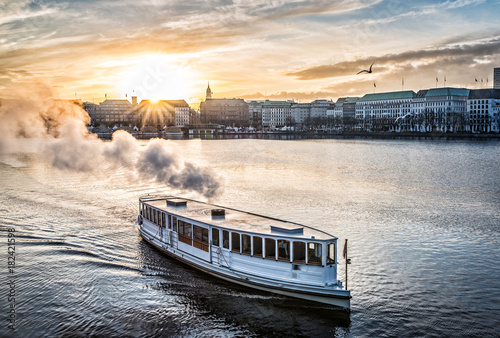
x: 300, y: 112
x: 380, y: 111
x: 90, y: 108
x: 483, y: 111
x: 255, y: 112
x: 276, y: 113
x: 345, y: 108
x: 163, y: 113
x: 111, y: 113
x: 227, y: 112
x: 496, y: 78
x: 445, y: 109
x: 319, y: 108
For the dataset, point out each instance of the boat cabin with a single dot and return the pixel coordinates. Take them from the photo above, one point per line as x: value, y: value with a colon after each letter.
x: 240, y: 241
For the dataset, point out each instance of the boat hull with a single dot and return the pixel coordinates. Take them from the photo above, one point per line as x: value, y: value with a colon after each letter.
x: 339, y: 299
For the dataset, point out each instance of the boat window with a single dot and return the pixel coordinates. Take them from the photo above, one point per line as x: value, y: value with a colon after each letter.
x: 163, y: 220
x: 257, y: 246
x: 174, y: 222
x: 197, y: 233
x: 283, y: 249
x: 147, y: 213
x: 330, y: 254
x: 270, y: 248
x: 215, y: 237
x: 204, y: 235
x: 314, y: 253
x: 200, y: 238
x: 246, y: 247
x: 299, y: 251
x: 185, y: 232
x: 225, y: 239
x: 170, y: 221
x: 235, y: 241
x: 155, y: 215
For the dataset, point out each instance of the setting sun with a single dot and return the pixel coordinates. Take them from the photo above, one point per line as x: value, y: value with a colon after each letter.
x: 157, y: 77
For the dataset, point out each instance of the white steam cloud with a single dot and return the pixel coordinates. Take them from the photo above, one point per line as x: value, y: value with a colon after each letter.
x: 59, y: 128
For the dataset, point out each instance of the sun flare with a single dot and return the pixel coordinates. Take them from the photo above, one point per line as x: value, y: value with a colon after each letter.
x: 158, y: 77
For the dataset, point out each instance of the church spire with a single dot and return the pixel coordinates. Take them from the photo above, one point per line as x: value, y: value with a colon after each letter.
x: 209, y: 91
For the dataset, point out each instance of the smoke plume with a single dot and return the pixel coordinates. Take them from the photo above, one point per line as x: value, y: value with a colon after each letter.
x: 59, y: 129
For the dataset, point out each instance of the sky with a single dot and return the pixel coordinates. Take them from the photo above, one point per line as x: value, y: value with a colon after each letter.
x: 275, y: 49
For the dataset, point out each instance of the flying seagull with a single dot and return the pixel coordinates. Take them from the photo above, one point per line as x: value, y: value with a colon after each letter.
x: 367, y: 71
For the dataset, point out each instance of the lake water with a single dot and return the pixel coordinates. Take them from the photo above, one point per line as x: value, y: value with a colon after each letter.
x: 422, y: 219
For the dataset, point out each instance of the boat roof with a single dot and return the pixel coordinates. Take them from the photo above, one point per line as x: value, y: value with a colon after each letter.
x: 234, y: 219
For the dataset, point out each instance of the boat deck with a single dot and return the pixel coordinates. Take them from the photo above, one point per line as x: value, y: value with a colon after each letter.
x: 234, y: 219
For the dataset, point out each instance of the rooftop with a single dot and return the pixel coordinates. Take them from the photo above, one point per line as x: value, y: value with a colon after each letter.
x: 447, y: 92
x: 234, y: 219
x: 351, y: 99
x: 407, y: 94
x: 276, y: 103
x: 422, y: 93
x: 484, y: 94
x: 115, y: 102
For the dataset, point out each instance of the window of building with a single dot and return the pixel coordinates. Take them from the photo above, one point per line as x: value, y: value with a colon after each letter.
x: 283, y: 249
x: 225, y: 239
x: 270, y: 248
x: 257, y: 246
x: 235, y: 242
x: 246, y: 246
x: 299, y: 251
x: 314, y: 253
x: 330, y: 253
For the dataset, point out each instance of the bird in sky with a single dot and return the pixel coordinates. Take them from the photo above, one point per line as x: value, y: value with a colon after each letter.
x: 366, y: 71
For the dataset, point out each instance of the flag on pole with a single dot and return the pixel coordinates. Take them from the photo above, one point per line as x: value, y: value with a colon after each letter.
x: 403, y: 81
x: 481, y: 80
x: 476, y: 80
x: 345, y: 250
x: 437, y: 80
x: 374, y: 85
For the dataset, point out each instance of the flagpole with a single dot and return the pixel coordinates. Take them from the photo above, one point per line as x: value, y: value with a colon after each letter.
x: 345, y: 256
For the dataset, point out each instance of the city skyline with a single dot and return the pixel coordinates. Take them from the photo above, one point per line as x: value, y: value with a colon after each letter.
x: 301, y: 50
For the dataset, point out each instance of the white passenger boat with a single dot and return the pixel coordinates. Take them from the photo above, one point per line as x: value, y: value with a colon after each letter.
x: 255, y: 251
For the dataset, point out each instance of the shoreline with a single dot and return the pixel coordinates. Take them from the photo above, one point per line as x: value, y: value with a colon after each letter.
x: 291, y: 135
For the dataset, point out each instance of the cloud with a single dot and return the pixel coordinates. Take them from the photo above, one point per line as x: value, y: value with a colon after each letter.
x: 460, y: 54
